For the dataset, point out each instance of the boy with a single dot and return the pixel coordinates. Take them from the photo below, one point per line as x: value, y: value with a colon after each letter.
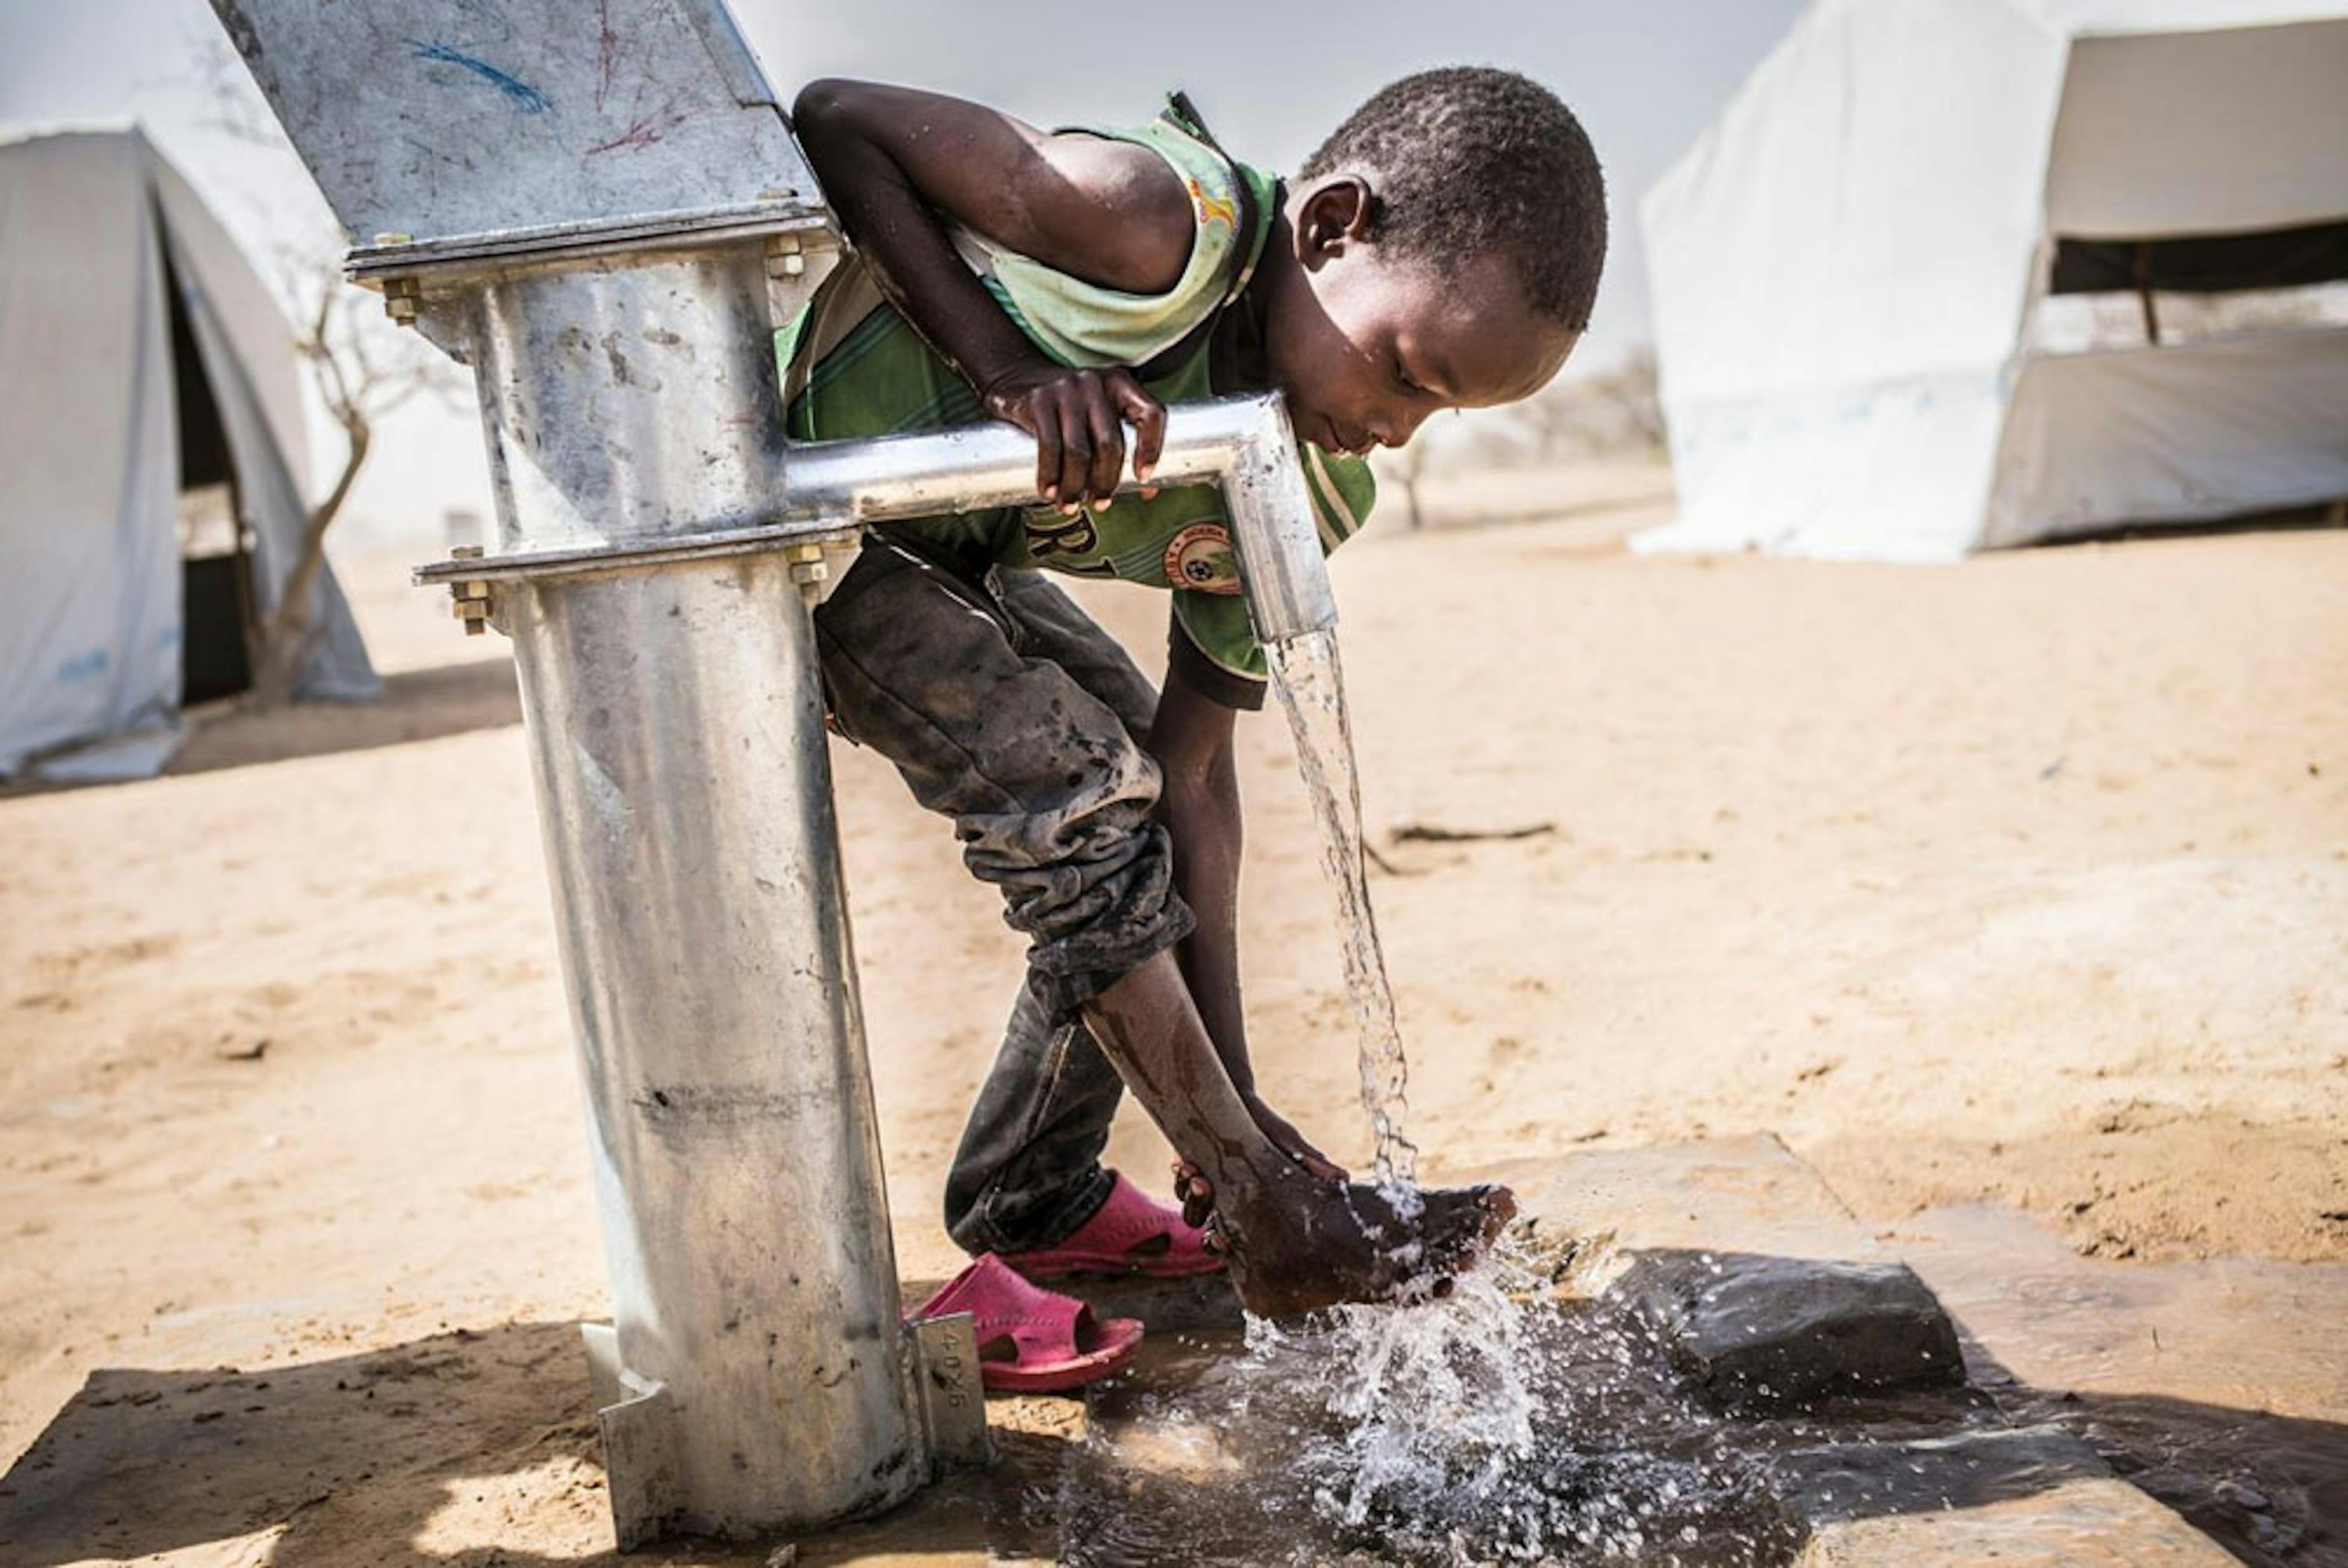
x: 1440, y: 251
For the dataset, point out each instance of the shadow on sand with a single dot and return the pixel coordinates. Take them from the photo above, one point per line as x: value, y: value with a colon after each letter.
x: 454, y: 1449
x: 416, y: 705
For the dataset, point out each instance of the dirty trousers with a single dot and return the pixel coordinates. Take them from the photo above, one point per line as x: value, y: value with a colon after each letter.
x: 1006, y: 708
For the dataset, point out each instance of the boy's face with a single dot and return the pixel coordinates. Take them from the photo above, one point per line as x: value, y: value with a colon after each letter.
x: 1366, y: 344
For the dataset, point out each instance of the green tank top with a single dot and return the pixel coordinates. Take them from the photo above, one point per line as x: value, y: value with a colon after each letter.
x: 852, y: 366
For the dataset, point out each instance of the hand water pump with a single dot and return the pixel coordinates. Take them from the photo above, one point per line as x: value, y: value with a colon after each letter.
x: 601, y: 211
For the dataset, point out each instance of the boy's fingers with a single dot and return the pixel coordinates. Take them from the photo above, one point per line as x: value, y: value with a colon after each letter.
x: 1075, y: 452
x: 1194, y: 1192
x: 1043, y: 424
x: 1107, y: 433
x: 1147, y: 417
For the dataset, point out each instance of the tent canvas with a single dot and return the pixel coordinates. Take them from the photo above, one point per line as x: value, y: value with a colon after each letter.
x: 135, y: 343
x: 1880, y: 331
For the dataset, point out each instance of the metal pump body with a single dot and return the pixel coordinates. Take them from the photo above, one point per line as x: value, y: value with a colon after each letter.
x: 601, y: 211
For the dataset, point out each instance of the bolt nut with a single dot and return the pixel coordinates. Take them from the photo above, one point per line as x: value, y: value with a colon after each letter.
x: 803, y: 552
x: 401, y: 308
x: 809, y: 572
x: 466, y: 552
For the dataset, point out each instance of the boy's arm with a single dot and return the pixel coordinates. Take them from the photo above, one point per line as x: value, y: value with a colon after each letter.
x: 895, y: 162
x: 1191, y: 739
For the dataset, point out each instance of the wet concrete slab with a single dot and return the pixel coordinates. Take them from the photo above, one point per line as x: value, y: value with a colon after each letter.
x: 1749, y: 1195
x: 2029, y: 1499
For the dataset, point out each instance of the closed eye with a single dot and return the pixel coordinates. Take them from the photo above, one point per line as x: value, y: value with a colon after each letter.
x: 1402, y: 380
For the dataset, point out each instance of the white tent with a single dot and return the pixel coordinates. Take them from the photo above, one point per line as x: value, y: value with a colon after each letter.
x: 139, y: 357
x: 1953, y: 274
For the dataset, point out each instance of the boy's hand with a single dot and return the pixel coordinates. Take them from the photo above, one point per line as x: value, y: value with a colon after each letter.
x: 1290, y: 1141
x: 1197, y: 1195
x: 1078, y: 419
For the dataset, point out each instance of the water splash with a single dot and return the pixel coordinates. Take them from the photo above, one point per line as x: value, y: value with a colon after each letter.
x: 1502, y: 1424
x: 1312, y: 686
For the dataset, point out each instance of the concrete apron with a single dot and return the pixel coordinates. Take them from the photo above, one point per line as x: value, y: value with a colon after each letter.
x: 1764, y: 1297
x: 1804, y: 1302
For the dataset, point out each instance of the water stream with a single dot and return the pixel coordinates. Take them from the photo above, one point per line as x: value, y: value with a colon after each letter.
x: 1434, y: 1406
x: 1312, y: 686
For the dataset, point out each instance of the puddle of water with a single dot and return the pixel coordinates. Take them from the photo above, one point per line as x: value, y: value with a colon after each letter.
x: 1498, y: 1426
x: 1312, y: 686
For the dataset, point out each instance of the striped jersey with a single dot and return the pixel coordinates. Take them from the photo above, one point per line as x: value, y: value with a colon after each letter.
x: 853, y: 366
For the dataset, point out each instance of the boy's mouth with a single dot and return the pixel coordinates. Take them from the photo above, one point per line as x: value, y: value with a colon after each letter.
x: 1334, y: 440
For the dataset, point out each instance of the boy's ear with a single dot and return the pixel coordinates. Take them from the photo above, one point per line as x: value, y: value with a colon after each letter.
x: 1337, y: 212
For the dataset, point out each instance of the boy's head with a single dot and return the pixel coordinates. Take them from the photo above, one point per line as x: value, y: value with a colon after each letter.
x: 1446, y: 244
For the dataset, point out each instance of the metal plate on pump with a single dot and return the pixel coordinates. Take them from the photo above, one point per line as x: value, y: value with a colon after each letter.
x: 429, y: 119
x: 953, y: 1402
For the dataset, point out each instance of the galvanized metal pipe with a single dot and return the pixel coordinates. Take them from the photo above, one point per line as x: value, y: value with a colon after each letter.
x: 676, y: 737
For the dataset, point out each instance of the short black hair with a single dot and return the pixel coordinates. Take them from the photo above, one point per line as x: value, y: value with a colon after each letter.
x: 1471, y: 159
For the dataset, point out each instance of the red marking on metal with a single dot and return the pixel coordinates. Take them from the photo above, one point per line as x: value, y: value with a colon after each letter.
x: 645, y: 129
x: 607, y: 53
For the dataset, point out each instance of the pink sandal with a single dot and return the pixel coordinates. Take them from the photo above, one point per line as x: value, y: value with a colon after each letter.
x: 1032, y: 1341
x: 1131, y: 1234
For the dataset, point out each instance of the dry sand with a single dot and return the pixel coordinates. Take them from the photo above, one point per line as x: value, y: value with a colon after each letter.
x: 2023, y: 881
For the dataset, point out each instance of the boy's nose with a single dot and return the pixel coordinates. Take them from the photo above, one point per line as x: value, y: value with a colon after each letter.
x: 1396, y: 429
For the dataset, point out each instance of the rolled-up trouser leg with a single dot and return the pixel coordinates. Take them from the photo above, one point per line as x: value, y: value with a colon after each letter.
x: 1015, y: 715
x: 1028, y: 1172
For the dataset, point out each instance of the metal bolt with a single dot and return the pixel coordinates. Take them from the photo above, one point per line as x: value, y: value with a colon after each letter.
x: 803, y: 552
x: 783, y: 256
x: 810, y: 576
x: 401, y: 299
x: 471, y: 594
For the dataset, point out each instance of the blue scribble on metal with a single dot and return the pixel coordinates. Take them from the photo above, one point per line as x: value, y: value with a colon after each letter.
x: 524, y: 97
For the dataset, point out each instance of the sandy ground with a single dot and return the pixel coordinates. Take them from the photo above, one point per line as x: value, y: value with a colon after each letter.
x: 2022, y: 882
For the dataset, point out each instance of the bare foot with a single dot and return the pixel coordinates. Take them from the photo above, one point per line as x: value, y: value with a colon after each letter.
x: 1308, y: 1243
